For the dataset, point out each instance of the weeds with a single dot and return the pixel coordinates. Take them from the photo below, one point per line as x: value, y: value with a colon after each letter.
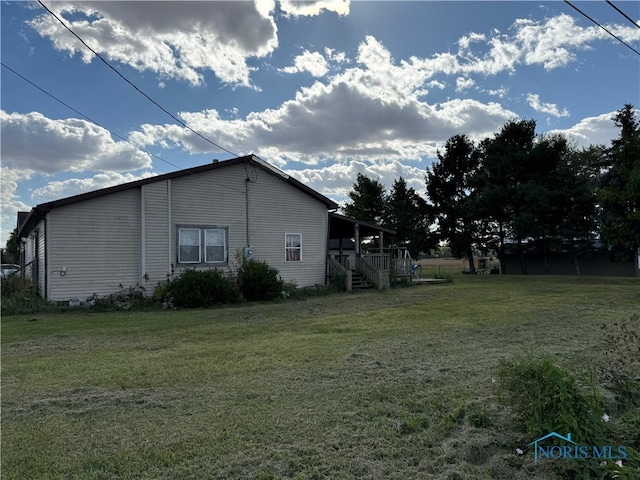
x: 621, y: 369
x: 545, y: 398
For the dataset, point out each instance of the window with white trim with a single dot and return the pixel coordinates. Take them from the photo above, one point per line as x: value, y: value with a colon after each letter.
x: 202, y: 244
x: 293, y: 247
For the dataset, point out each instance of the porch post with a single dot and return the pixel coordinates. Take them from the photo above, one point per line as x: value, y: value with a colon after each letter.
x: 357, y: 238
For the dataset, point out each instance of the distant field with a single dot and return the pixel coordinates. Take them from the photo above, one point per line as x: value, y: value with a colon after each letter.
x: 369, y: 385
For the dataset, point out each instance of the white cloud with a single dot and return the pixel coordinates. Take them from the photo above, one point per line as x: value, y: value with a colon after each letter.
x: 463, y: 83
x: 436, y: 84
x: 9, y: 200
x: 335, y: 56
x: 313, y: 8
x: 66, y: 188
x: 33, y: 142
x: 337, y: 179
x: 550, y: 42
x: 548, y: 108
x: 498, y: 92
x: 466, y: 40
x: 599, y: 130
x: 369, y: 112
x: 177, y: 40
x: 312, y: 62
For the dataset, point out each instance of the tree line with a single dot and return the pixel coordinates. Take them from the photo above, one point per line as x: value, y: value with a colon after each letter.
x: 517, y: 187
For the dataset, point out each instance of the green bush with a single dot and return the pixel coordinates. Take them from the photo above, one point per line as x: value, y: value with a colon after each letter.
x: 258, y: 281
x: 339, y: 281
x: 162, y: 295
x: 545, y: 398
x: 17, y: 285
x: 20, y: 296
x: 200, y: 288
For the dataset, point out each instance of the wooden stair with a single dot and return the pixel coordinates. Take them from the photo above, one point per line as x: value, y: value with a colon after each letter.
x: 358, y: 281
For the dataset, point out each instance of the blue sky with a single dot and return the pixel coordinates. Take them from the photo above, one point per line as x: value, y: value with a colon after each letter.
x: 323, y: 90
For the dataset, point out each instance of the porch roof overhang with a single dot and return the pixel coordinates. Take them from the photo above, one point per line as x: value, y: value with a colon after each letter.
x: 341, y: 226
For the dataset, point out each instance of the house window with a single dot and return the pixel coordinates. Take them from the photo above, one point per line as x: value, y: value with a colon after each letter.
x: 189, y: 245
x: 293, y: 247
x: 202, y: 244
x: 215, y: 245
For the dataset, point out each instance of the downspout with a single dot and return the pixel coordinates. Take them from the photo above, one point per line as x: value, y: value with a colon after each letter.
x: 170, y: 263
x: 46, y: 260
x: 143, y: 236
x: 246, y: 207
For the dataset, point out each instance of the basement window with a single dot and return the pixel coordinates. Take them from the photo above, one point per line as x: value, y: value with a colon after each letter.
x: 293, y: 247
x: 202, y: 244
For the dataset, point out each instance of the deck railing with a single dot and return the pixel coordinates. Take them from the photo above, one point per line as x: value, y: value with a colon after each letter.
x: 401, y: 267
x: 337, y: 269
x: 379, y: 277
x: 379, y: 261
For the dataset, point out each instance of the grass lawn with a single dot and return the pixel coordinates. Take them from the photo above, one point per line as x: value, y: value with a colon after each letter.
x: 381, y: 385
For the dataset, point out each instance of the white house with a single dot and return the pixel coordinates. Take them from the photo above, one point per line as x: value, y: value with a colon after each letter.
x: 148, y: 231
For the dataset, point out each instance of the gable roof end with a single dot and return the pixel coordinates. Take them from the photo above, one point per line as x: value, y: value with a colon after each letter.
x: 26, y: 222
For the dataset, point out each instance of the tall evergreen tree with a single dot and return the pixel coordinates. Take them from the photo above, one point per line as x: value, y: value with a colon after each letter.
x: 534, y: 189
x: 498, y: 184
x: 368, y: 200
x: 408, y: 214
x: 619, y: 186
x: 563, y: 209
x: 449, y: 191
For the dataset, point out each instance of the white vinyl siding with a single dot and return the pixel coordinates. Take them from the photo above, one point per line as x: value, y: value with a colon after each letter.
x: 96, y: 246
x: 157, y: 261
x: 35, y: 257
x: 42, y: 257
x: 96, y: 243
x: 213, y: 200
x: 277, y: 208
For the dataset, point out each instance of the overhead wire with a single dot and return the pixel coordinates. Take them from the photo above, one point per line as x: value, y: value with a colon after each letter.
x: 105, y: 128
x: 132, y: 84
x: 602, y: 27
x: 84, y: 116
x: 623, y: 14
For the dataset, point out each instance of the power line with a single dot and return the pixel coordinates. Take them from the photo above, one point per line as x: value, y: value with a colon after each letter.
x: 133, y: 85
x: 612, y: 34
x: 623, y: 14
x: 190, y: 171
x: 85, y: 117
